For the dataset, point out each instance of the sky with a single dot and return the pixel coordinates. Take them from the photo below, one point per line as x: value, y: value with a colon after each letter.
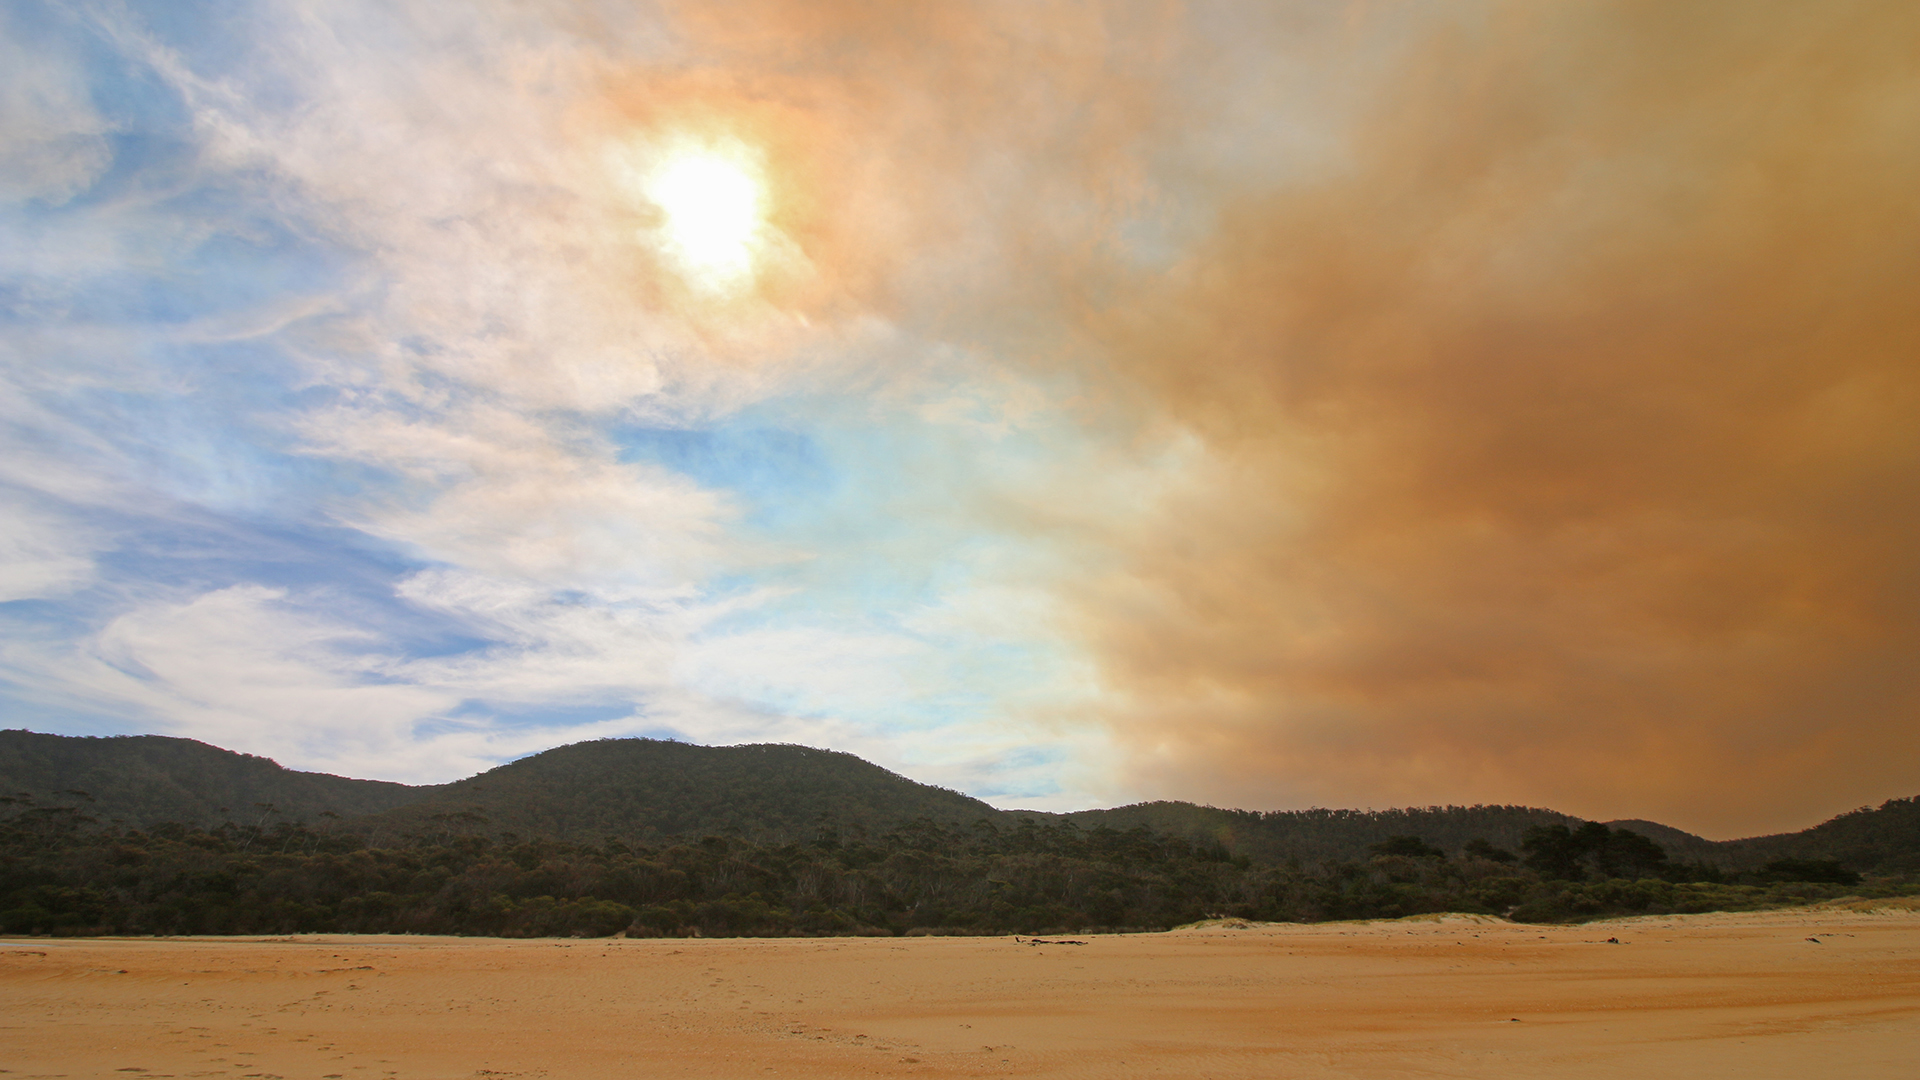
x: 1268, y: 405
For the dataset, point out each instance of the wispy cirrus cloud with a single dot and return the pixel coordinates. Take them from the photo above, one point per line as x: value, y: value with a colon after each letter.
x: 349, y: 350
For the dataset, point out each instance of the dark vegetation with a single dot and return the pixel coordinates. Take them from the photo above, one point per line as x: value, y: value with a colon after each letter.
x: 1323, y: 835
x: 664, y: 838
x: 645, y: 791
x: 147, y: 779
x: 60, y: 874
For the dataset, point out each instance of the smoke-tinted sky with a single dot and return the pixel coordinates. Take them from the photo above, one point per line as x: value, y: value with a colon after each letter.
x: 1270, y: 405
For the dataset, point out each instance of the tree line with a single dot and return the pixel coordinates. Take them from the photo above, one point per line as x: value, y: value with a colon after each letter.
x: 61, y: 873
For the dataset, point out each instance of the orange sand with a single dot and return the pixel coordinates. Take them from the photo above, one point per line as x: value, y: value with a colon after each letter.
x: 1743, y: 996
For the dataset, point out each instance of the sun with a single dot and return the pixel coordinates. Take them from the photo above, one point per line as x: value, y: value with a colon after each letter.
x: 712, y: 208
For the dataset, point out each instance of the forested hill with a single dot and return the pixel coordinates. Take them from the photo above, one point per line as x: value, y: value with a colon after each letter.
x: 1883, y: 839
x: 649, y: 791
x: 1322, y: 835
x: 646, y: 790
x: 638, y: 790
x: 142, y: 780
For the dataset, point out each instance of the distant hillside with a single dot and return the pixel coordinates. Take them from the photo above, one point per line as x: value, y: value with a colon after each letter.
x: 644, y: 790
x: 1874, y: 840
x: 1871, y: 840
x: 145, y: 779
x: 1325, y: 835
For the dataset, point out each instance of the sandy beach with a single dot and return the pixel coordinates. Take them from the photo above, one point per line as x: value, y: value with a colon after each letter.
x: 1748, y: 995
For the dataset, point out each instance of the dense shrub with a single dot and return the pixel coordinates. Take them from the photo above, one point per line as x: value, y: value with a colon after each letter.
x: 59, y: 874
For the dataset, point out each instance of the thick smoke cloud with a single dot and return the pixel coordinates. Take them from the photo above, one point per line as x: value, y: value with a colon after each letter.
x: 1520, y: 399
x: 1561, y: 445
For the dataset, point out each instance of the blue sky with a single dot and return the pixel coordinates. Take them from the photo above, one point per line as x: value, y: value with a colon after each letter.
x: 324, y: 445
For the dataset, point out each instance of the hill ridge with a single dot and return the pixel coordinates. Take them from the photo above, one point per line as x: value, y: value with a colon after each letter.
x: 650, y: 790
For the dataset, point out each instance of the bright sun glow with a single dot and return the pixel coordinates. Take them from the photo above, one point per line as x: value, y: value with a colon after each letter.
x: 712, y: 208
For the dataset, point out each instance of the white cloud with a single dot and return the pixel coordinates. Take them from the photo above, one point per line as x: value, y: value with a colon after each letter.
x: 42, y: 554
x: 497, y: 492
x: 808, y: 671
x: 264, y: 671
x: 271, y: 672
x: 52, y: 140
x: 240, y: 668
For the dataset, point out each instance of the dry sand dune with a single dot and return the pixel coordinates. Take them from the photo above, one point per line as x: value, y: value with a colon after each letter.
x: 1746, y: 996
